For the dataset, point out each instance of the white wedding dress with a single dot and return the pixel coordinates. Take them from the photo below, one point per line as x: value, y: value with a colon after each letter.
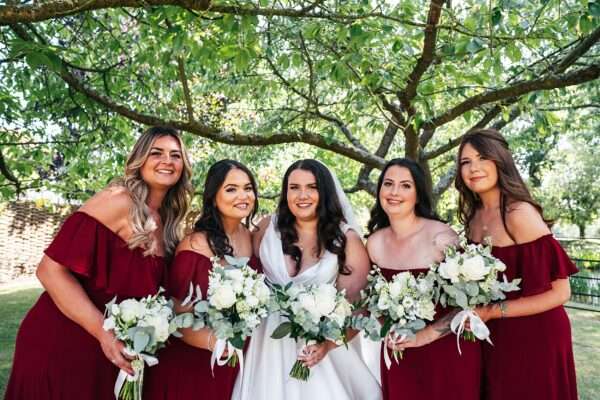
x: 341, y: 375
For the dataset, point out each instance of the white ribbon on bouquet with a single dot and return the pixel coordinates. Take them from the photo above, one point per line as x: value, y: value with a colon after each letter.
x: 393, y: 336
x: 139, y: 373
x: 220, y: 346
x: 476, y: 325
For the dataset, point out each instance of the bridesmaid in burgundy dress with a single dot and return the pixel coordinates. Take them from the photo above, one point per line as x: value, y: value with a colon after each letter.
x: 406, y: 235
x: 532, y: 355
x: 229, y: 205
x: 114, y: 245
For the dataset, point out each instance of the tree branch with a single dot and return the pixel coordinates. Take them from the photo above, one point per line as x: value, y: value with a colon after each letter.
x: 546, y: 83
x: 428, y: 54
x: 186, y: 88
x: 212, y: 133
x: 444, y: 183
x: 7, y: 174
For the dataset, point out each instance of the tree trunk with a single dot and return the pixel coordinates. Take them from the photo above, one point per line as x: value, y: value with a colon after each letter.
x: 581, y: 228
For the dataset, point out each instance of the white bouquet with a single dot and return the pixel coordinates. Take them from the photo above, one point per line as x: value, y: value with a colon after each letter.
x: 237, y: 301
x: 467, y: 278
x: 396, y: 308
x: 315, y: 313
x: 143, y: 326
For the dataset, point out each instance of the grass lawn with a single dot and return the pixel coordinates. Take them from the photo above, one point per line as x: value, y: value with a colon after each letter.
x: 586, y: 339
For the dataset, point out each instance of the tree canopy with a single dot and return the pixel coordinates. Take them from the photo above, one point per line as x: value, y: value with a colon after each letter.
x: 355, y: 82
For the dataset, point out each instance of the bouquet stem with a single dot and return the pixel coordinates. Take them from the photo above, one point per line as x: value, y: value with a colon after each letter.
x: 233, y: 360
x: 469, y: 336
x: 129, y: 391
x: 398, y: 355
x: 300, y: 371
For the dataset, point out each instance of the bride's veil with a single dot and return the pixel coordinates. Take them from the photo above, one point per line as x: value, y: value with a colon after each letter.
x: 349, y: 215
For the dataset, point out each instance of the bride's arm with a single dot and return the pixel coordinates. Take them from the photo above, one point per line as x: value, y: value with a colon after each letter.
x: 353, y: 281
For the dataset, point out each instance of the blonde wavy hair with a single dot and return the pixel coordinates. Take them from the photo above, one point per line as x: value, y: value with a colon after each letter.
x: 174, y: 206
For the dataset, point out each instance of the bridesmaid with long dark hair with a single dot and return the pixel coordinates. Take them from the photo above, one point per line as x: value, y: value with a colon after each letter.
x: 114, y: 245
x: 229, y: 203
x: 532, y: 355
x: 406, y: 235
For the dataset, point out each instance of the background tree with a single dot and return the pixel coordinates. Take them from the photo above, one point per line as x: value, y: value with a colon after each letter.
x: 355, y: 82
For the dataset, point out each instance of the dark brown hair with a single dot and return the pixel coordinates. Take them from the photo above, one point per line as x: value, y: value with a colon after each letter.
x: 492, y: 146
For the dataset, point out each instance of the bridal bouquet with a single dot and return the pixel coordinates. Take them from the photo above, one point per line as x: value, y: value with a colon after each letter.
x: 143, y: 326
x: 237, y: 300
x: 467, y: 278
x: 315, y: 313
x: 396, y: 308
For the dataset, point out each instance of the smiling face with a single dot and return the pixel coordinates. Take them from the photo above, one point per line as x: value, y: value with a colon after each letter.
x: 302, y: 195
x: 479, y: 174
x: 398, y: 194
x: 164, y: 164
x: 235, y: 198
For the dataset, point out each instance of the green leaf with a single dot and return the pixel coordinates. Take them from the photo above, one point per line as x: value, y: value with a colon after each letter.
x: 461, y: 299
x: 237, y: 342
x: 586, y: 24
x: 594, y: 8
x: 514, y: 53
x: 474, y: 45
x: 496, y: 15
x: 282, y: 330
x: 140, y: 341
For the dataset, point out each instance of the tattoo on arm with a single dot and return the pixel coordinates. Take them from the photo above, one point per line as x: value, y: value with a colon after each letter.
x: 442, y: 325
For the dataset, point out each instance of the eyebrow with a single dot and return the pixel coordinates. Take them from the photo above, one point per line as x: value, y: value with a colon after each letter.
x: 402, y: 181
x: 161, y: 149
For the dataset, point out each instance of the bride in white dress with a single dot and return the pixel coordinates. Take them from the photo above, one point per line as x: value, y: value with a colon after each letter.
x: 313, y: 230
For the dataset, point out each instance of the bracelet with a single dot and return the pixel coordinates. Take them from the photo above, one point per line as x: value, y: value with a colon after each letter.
x: 503, y: 307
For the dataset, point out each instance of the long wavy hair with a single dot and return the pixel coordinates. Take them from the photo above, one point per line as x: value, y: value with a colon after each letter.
x: 329, y: 213
x: 491, y: 145
x: 174, y: 206
x: 423, y: 208
x: 210, y: 221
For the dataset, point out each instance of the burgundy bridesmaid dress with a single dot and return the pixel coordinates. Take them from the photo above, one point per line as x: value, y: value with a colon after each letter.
x: 435, y: 371
x: 532, y: 356
x: 183, y: 371
x: 54, y: 357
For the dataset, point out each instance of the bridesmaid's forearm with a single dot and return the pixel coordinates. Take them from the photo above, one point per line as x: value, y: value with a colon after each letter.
x: 441, y: 327
x: 202, y: 338
x: 69, y: 296
x: 531, y: 305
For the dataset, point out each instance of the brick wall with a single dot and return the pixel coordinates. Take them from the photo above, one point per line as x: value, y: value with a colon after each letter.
x: 25, y: 231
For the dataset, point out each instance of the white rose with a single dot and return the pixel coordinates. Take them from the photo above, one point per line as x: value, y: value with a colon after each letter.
x: 307, y: 303
x: 426, y: 309
x: 161, y: 326
x: 261, y: 290
x: 473, y: 268
x: 131, y: 310
x: 449, y: 270
x: 235, y: 274
x: 223, y: 297
x: 383, y: 303
x: 408, y: 302
x: 400, y: 310
x: 395, y: 289
x: 325, y: 299
x: 252, y: 301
